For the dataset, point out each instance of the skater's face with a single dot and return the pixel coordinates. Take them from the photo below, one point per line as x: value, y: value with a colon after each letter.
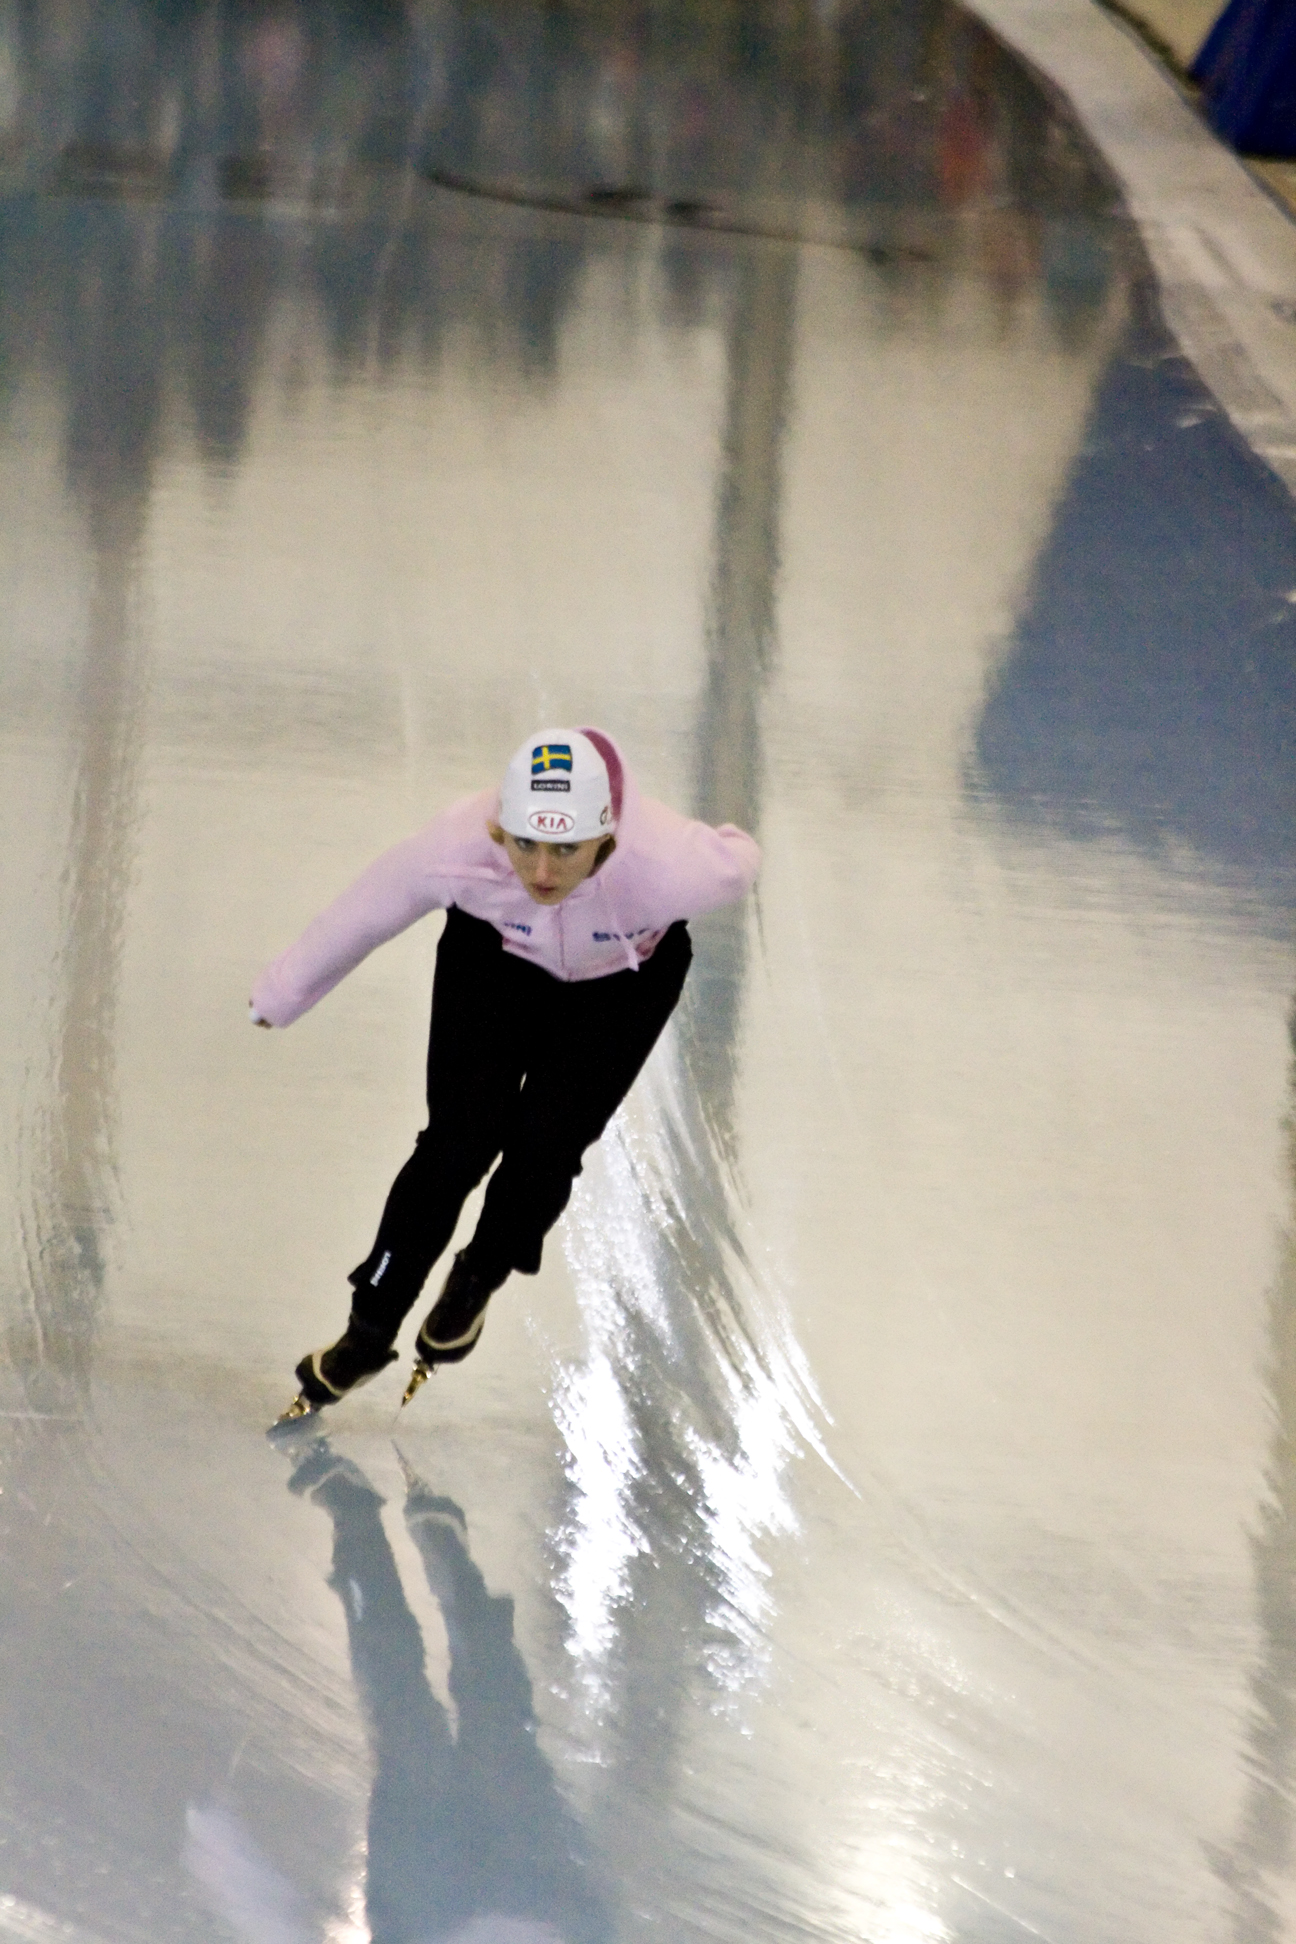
x: 550, y: 872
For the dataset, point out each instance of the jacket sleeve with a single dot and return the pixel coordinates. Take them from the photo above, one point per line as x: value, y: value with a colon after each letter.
x: 402, y: 885
x: 713, y: 868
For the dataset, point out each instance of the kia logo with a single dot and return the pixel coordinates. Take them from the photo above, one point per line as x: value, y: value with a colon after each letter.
x: 550, y: 823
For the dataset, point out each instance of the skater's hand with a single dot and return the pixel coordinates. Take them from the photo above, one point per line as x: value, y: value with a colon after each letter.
x: 255, y: 1016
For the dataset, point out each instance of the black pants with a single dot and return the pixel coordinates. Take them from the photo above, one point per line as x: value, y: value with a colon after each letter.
x: 520, y: 1066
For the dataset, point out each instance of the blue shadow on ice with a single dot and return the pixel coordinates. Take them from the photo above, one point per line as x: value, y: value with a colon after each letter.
x: 468, y: 1833
x: 1150, y: 690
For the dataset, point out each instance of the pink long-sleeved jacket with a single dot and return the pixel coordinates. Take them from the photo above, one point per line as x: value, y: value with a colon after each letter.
x: 665, y: 867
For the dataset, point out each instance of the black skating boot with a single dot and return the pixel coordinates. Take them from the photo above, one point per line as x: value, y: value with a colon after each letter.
x: 326, y: 1375
x: 453, y: 1324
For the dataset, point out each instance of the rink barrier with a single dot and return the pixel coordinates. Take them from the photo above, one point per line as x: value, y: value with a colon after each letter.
x: 1223, y: 250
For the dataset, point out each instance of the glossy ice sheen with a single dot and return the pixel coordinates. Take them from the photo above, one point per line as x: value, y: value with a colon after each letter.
x: 875, y: 1523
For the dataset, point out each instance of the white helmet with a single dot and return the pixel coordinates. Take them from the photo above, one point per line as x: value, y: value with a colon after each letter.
x: 556, y: 790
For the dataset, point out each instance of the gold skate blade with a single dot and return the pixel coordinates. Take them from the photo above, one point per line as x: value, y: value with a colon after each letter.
x: 301, y: 1407
x: 418, y: 1377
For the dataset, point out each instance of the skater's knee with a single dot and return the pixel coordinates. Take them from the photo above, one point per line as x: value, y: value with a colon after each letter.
x: 457, y: 1159
x: 553, y: 1179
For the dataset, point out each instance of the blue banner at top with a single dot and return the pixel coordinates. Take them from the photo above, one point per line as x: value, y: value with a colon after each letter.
x: 1247, y: 71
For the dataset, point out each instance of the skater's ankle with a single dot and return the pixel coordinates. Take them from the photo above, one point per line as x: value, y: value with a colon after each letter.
x: 487, y: 1276
x: 379, y: 1336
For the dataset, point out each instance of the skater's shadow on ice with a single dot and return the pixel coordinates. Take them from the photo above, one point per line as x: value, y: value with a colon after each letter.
x: 469, y: 1840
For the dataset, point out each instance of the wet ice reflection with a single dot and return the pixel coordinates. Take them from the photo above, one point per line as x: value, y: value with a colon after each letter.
x: 682, y: 1419
x: 1256, y: 1865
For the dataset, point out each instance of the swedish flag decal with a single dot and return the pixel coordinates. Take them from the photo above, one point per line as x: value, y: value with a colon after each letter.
x: 548, y: 757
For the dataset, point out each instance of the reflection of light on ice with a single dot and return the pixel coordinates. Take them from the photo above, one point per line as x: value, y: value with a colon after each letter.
x: 906, y: 1924
x: 256, y: 1900
x: 884, y: 1879
x: 23, y: 1923
x: 745, y: 1501
x: 754, y: 1405
x: 352, y: 1927
x: 601, y: 1541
